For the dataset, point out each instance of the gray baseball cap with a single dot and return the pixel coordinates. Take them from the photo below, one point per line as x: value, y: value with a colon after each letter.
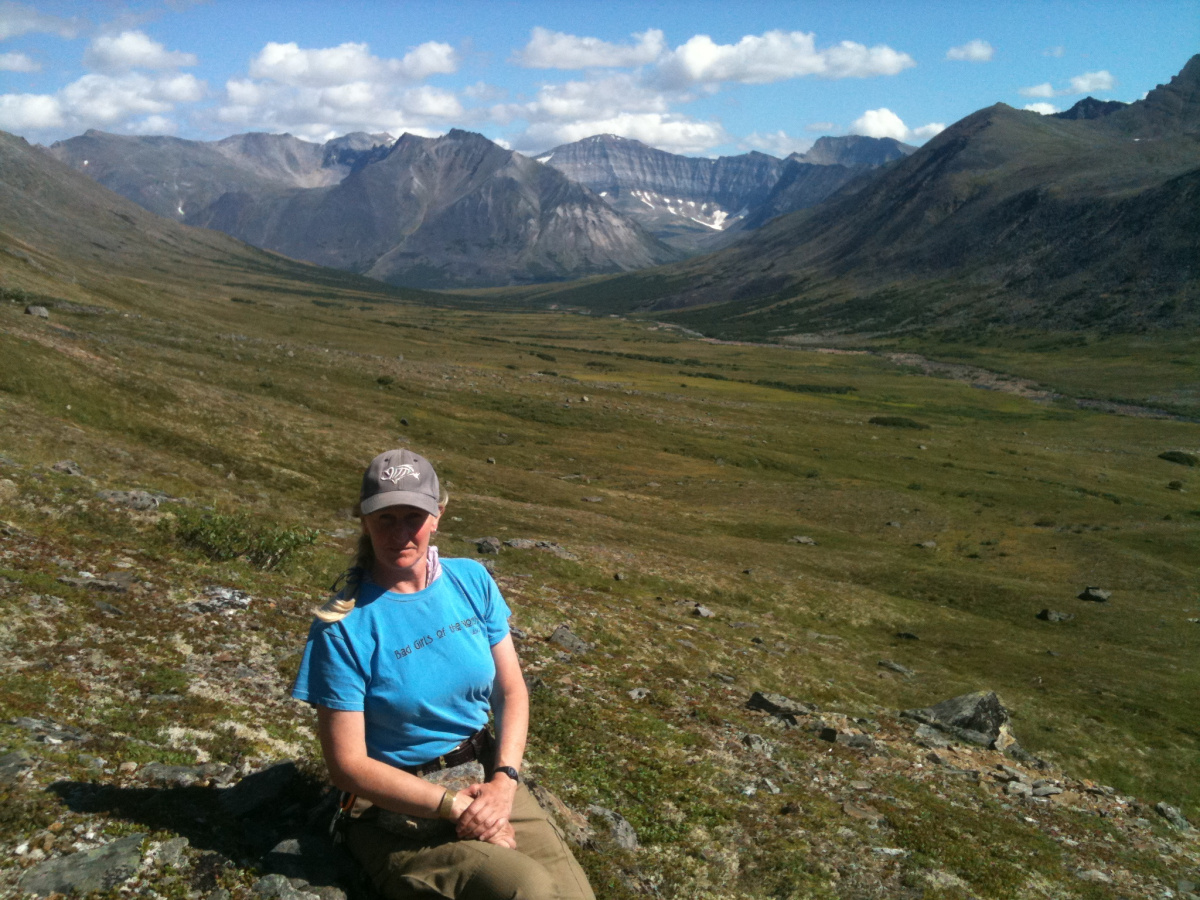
x: 399, y: 478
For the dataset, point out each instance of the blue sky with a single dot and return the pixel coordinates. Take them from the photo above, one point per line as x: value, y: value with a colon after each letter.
x: 698, y: 77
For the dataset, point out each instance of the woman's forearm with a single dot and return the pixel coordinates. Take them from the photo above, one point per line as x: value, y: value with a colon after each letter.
x: 512, y: 726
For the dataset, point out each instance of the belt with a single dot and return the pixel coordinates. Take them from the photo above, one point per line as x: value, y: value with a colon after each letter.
x: 474, y: 747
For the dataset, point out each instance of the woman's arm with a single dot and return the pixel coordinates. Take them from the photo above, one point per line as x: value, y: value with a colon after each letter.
x: 344, y: 744
x: 488, y: 815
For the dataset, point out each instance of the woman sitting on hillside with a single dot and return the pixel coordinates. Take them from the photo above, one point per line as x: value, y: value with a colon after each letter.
x: 403, y: 665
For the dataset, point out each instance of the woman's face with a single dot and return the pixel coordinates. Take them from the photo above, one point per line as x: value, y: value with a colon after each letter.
x: 400, y: 535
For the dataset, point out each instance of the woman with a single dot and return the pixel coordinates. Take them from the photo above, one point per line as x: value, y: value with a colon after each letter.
x: 403, y: 666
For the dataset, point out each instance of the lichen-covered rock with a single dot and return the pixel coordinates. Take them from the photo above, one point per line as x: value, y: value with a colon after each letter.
x: 101, y: 869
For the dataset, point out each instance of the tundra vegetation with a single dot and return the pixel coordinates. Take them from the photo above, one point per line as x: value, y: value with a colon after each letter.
x: 246, y: 412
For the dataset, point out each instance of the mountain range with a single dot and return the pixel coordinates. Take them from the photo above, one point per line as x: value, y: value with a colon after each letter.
x: 1089, y: 219
x: 696, y: 203
x: 459, y: 210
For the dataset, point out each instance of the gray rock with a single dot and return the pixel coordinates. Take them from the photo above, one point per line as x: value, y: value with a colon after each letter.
x: 1095, y: 594
x: 1019, y: 789
x: 309, y: 857
x: 562, y: 636
x: 88, y: 870
x: 1172, y: 815
x: 277, y: 887
x: 48, y: 732
x: 171, y: 853
x: 67, y: 467
x: 928, y: 545
x: 802, y: 539
x: 1008, y: 773
x: 896, y: 667
x: 930, y: 737
x: 139, y: 500
x: 1050, y: 615
x: 1093, y: 875
x: 703, y: 612
x: 978, y: 718
x: 757, y: 744
x: 108, y: 608
x: 221, y: 599
x: 39, y: 311
x: 1046, y: 790
x: 549, y: 546
x: 8, y: 490
x: 487, y: 544
x: 779, y: 706
x: 639, y: 693
x: 619, y: 828
x: 94, y: 584
x: 520, y: 544
x: 14, y: 765
x: 257, y: 790
x: 893, y: 525
x: 173, y: 776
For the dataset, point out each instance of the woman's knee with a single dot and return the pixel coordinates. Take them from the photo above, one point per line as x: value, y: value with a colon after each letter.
x: 510, y: 875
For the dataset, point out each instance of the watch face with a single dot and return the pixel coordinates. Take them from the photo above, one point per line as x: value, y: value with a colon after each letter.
x: 510, y: 772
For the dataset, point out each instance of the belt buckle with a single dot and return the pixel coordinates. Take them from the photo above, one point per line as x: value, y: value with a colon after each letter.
x: 441, y: 760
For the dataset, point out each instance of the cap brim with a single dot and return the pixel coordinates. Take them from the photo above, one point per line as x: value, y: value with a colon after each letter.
x: 399, y: 498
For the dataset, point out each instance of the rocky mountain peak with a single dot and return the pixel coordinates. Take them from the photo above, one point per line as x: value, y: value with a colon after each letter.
x: 1091, y: 108
x: 854, y: 150
x: 1171, y: 108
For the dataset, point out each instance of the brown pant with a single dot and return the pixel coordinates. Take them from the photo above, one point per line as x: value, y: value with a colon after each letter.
x: 542, y: 868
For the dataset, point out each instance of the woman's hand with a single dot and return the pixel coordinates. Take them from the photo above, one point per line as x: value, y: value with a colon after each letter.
x: 488, y: 815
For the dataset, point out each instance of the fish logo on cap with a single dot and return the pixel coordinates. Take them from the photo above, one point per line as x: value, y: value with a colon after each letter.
x: 395, y: 473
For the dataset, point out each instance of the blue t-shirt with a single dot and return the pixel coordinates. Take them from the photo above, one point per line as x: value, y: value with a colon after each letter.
x: 418, y: 666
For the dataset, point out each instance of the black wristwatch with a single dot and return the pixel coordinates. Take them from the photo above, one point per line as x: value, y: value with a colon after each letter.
x: 510, y: 772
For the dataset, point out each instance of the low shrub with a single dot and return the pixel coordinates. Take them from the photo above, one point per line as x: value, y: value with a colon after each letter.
x: 226, y: 536
x: 897, y: 422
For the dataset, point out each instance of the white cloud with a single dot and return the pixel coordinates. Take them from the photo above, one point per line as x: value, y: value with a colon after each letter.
x: 16, y: 20
x: 972, y: 51
x: 678, y: 134
x: 555, y: 50
x: 30, y: 112
x: 1045, y: 109
x: 883, y: 123
x: 1045, y: 89
x: 133, y: 50
x: 1056, y: 52
x: 1087, y: 83
x: 320, y: 93
x: 774, y: 56
x: 820, y: 126
x: 346, y: 63
x: 100, y: 101
x: 18, y: 62
x: 153, y: 125
x: 777, y: 143
x: 1090, y: 82
x: 599, y: 98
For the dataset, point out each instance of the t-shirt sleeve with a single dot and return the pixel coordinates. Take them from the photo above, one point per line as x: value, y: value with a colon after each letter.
x: 330, y: 674
x: 495, y: 609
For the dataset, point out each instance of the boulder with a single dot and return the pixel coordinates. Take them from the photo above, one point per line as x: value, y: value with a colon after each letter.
x: 1050, y: 615
x: 562, y: 636
x: 101, y: 869
x: 487, y: 544
x: 39, y: 312
x: 67, y: 467
x: 619, y: 828
x: 277, y: 887
x: 779, y: 706
x: 802, y: 539
x: 978, y: 718
x: 139, y: 500
x: 14, y: 765
x: 1172, y: 815
x: 1095, y: 594
x: 896, y: 667
x: 573, y: 824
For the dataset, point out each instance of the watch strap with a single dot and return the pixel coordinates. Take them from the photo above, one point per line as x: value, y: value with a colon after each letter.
x: 510, y: 772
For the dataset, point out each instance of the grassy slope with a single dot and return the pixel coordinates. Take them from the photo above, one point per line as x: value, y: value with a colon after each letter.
x: 700, y: 479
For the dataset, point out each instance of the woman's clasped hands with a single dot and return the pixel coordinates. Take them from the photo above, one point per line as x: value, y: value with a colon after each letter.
x: 487, y: 817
